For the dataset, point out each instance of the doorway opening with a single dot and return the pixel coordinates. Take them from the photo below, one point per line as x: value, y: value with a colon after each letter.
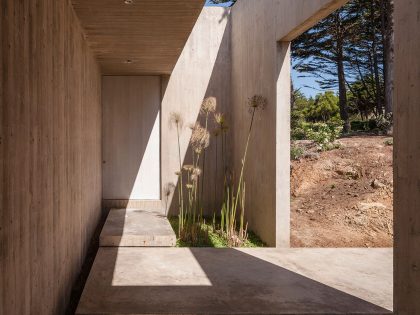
x: 341, y: 130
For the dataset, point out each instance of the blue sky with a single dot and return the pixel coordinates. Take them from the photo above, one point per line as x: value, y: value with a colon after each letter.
x: 307, y: 86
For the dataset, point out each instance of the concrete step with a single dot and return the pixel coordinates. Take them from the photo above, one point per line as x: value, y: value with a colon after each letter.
x: 137, y: 228
x: 149, y: 205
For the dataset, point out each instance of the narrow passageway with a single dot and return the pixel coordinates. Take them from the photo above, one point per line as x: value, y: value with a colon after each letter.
x: 87, y: 92
x: 138, y: 270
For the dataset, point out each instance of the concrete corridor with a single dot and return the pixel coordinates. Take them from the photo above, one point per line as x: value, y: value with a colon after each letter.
x: 137, y: 272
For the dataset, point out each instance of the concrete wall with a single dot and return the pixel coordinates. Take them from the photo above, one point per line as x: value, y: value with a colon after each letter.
x: 50, y: 154
x: 261, y: 65
x: 234, y: 55
x: 202, y: 70
x: 407, y: 158
x: 131, y: 137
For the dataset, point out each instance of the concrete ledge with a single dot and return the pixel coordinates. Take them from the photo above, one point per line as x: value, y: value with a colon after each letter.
x: 231, y: 281
x: 137, y: 228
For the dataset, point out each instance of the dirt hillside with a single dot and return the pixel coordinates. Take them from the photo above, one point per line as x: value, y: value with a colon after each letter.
x: 343, y: 197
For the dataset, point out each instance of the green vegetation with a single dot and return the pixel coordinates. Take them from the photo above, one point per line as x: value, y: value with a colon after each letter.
x: 350, y: 51
x: 318, y: 119
x: 389, y: 142
x: 323, y: 108
x: 323, y: 134
x: 363, y: 125
x: 213, y: 238
x: 190, y: 216
x: 296, y: 152
x: 191, y: 228
x: 315, y: 119
x: 236, y: 233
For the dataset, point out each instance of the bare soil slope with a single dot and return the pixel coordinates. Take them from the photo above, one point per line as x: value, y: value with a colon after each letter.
x: 343, y: 197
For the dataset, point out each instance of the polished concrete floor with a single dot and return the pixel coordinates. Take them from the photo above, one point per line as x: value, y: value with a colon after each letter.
x: 131, y: 227
x: 239, y: 281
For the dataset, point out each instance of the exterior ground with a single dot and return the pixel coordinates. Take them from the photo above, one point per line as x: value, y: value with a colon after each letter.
x: 343, y: 197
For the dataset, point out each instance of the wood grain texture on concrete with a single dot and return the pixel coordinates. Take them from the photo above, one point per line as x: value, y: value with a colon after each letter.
x: 149, y: 33
x: 50, y: 154
x: 131, y: 137
x: 202, y: 70
x: 239, y: 281
x: 137, y: 228
x: 261, y: 65
x: 407, y: 157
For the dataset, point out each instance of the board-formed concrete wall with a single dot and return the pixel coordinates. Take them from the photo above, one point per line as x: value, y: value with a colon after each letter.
x: 261, y: 31
x: 202, y: 70
x: 50, y: 154
x: 407, y: 158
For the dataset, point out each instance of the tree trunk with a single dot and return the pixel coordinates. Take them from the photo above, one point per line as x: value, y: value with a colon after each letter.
x: 342, y: 92
x: 292, y: 95
x: 378, y: 88
x: 387, y: 20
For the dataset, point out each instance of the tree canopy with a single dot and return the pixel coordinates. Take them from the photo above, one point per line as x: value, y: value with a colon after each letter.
x: 351, y: 51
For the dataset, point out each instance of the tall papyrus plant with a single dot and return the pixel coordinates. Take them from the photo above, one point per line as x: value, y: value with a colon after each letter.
x: 208, y: 107
x: 233, y: 200
x: 177, y: 121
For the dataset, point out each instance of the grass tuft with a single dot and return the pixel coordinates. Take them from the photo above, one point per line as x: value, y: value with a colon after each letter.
x: 215, y: 239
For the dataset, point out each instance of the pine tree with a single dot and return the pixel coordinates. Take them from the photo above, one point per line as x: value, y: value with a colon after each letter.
x: 366, y: 51
x: 387, y: 29
x: 354, y: 44
x: 322, y: 52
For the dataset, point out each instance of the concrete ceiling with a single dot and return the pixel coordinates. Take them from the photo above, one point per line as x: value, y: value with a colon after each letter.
x: 137, y: 36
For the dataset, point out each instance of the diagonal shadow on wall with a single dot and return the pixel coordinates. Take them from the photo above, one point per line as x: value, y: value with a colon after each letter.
x: 214, y: 81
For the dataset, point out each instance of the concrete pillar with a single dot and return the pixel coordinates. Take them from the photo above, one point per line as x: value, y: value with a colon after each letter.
x: 283, y: 145
x: 407, y: 158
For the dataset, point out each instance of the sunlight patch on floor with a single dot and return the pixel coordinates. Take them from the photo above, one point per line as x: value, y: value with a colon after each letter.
x: 188, y: 271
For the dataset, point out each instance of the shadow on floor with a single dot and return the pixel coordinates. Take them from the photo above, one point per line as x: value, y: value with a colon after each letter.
x: 80, y: 282
x: 207, y: 281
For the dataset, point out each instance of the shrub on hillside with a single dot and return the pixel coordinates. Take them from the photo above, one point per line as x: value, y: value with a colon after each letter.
x: 296, y: 152
x: 323, y: 134
x: 384, y: 123
x: 363, y: 125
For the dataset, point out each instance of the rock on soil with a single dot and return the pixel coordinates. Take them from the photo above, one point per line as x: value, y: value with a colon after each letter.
x: 344, y: 197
